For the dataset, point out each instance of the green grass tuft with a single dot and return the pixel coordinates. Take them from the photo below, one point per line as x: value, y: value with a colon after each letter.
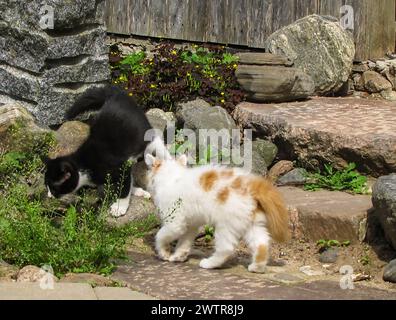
x: 345, y: 180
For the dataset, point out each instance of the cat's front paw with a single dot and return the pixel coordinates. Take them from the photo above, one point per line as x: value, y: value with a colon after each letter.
x: 257, y: 268
x: 118, y: 210
x: 164, y: 255
x: 139, y: 192
x: 207, y: 264
x: 180, y: 257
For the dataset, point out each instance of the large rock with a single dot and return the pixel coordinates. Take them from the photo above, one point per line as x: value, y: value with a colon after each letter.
x: 319, y: 47
x: 279, y: 169
x: 296, y: 177
x: 263, y: 154
x: 47, y: 69
x: 384, y: 201
x: 70, y: 136
x: 34, y: 274
x: 390, y: 272
x: 328, y: 130
x: 159, y: 118
x: 139, y: 209
x: 274, y: 83
x: 11, y: 114
x: 198, y: 114
x: 373, y: 82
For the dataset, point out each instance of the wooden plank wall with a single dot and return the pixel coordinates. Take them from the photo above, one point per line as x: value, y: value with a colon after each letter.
x: 248, y: 22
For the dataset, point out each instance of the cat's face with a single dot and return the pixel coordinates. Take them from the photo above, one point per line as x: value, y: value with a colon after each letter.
x: 61, y: 177
x: 158, y: 166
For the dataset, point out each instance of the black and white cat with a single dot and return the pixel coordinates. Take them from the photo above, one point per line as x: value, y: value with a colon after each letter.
x: 116, y: 135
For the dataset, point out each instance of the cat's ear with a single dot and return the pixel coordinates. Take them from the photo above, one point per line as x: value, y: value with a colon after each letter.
x: 149, y: 159
x: 182, y: 160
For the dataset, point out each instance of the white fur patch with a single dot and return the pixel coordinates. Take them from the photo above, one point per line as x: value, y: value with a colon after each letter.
x: 139, y: 192
x: 84, y: 179
x: 120, y: 207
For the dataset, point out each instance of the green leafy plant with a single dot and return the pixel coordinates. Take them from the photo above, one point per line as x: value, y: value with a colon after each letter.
x: 209, y: 233
x: 175, y: 75
x: 344, y: 180
x: 135, y: 62
x: 327, y: 244
x: 34, y: 230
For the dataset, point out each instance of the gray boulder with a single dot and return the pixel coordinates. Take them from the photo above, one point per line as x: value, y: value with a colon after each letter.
x: 159, y: 118
x: 390, y: 272
x: 139, y: 209
x: 69, y: 137
x: 319, y: 47
x: 384, y: 202
x: 296, y: 177
x: 373, y: 82
x: 263, y: 154
x: 198, y: 114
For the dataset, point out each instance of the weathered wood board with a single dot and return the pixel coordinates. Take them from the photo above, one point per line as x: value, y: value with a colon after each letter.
x: 249, y: 22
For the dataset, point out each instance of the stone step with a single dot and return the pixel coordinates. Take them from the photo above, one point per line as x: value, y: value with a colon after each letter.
x: 274, y: 83
x: 328, y: 130
x: 327, y: 215
x: 263, y: 58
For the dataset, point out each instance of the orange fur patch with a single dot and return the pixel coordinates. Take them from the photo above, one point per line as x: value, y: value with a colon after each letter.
x: 239, y: 186
x: 226, y: 173
x: 261, y: 255
x: 208, y: 180
x: 223, y: 195
x: 270, y: 202
x: 156, y: 165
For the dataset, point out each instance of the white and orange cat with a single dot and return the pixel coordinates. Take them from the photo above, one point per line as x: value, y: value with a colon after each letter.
x: 240, y: 206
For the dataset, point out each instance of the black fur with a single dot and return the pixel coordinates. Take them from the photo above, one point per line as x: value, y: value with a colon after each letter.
x: 117, y: 134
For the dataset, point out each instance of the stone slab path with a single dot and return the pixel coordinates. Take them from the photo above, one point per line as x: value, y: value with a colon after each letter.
x: 66, y: 291
x: 169, y: 281
x: 329, y: 130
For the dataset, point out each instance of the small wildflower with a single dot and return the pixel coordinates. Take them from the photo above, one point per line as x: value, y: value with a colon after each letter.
x: 152, y: 86
x: 130, y: 94
x: 235, y: 65
x: 126, y: 88
x: 174, y: 52
x: 222, y: 93
x: 115, y: 82
x: 141, y: 80
x: 222, y: 100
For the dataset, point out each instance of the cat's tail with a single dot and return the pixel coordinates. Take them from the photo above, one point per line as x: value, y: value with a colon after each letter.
x: 91, y: 100
x: 270, y: 203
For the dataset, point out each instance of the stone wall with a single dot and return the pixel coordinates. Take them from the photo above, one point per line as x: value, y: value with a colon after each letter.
x: 375, y: 79
x: 45, y: 69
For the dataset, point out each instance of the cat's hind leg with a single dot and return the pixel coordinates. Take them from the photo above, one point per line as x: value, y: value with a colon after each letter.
x: 258, y: 240
x: 226, y: 242
x: 184, y: 245
x: 165, y: 236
